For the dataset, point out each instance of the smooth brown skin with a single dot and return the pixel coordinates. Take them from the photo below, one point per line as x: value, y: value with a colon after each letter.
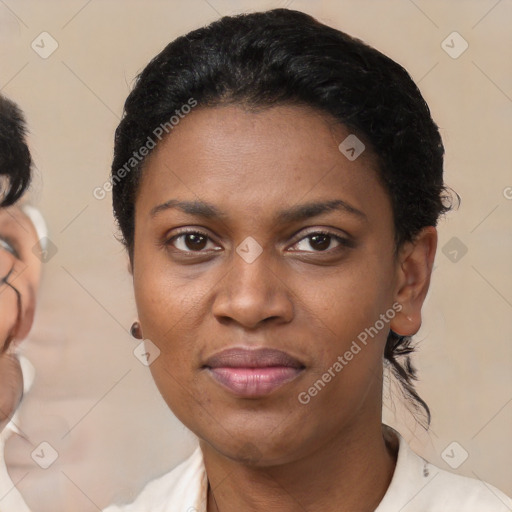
x: 18, y: 230
x: 274, y: 453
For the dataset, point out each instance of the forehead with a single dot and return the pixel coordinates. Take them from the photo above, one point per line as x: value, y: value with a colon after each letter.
x: 259, y: 159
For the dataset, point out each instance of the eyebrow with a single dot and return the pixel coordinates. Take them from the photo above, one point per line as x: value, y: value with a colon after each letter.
x: 294, y: 214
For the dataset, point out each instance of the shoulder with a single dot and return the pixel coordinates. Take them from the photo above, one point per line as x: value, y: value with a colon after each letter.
x: 183, y: 488
x: 459, y: 493
x: 418, y: 486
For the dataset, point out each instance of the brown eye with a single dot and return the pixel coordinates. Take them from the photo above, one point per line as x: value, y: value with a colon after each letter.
x: 192, y: 241
x: 321, y: 242
x: 195, y: 242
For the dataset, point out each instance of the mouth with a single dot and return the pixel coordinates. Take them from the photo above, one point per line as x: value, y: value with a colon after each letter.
x: 253, y: 373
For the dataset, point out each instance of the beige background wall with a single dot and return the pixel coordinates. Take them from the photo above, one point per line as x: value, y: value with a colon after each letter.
x: 92, y: 400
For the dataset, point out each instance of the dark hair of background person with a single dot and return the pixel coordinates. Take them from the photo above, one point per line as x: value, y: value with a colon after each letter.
x: 283, y: 56
x: 15, y: 159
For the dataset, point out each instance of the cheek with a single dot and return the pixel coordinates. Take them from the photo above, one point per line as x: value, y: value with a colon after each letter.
x: 165, y: 302
x: 11, y: 387
x: 154, y: 294
x: 350, y: 336
x: 169, y: 297
x: 347, y: 302
x: 349, y: 340
x: 171, y: 311
x: 9, y: 309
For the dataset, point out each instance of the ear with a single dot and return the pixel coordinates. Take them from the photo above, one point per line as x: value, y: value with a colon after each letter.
x: 415, y: 262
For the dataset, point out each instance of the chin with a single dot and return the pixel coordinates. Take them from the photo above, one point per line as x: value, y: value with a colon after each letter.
x: 254, y: 448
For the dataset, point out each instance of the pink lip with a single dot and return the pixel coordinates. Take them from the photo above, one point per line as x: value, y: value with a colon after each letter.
x: 253, y: 372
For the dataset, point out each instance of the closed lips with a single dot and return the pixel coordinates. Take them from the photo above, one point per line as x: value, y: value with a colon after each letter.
x: 252, y: 358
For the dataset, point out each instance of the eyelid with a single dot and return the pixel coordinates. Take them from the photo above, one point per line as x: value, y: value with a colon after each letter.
x: 184, y: 231
x: 7, y: 245
x: 342, y: 236
x: 343, y: 241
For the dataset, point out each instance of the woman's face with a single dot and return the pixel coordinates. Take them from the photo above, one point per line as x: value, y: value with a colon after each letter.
x: 20, y: 269
x: 253, y: 275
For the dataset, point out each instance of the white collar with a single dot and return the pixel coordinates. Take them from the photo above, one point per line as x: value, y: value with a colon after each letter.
x: 416, y: 486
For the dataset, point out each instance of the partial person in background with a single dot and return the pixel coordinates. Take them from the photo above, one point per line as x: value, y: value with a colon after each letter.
x: 22, y: 231
x: 281, y: 231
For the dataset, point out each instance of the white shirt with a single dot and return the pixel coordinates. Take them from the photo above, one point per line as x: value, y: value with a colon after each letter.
x: 416, y: 486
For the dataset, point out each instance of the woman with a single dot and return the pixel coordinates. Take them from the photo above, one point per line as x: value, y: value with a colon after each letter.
x: 22, y: 230
x: 277, y: 184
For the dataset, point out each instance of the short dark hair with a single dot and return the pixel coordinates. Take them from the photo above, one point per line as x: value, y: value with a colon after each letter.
x: 15, y: 159
x: 280, y: 57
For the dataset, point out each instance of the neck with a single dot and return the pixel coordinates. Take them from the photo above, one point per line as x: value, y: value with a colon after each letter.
x: 349, y: 473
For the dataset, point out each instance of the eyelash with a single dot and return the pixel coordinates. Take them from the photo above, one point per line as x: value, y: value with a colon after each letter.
x: 343, y: 242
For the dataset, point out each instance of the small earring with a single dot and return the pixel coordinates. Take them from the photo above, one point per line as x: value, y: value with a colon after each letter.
x: 135, y: 331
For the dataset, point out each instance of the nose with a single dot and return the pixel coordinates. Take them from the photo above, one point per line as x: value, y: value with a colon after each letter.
x: 253, y: 293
